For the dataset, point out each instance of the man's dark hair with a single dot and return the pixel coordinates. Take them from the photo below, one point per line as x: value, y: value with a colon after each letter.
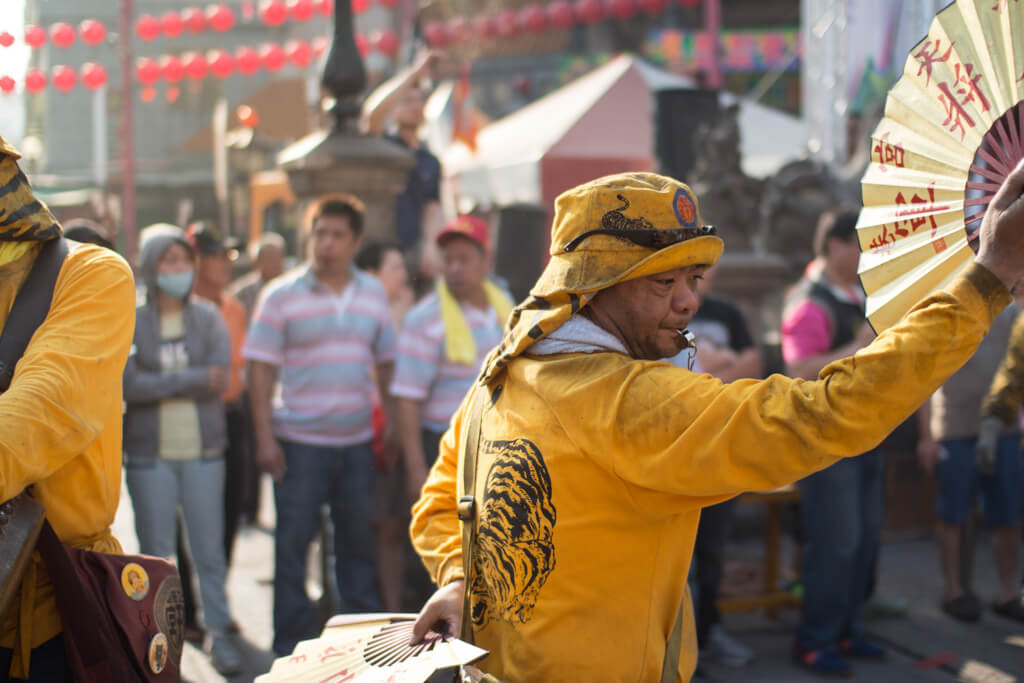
x: 85, y: 230
x: 341, y: 205
x: 838, y: 223
x: 371, y: 257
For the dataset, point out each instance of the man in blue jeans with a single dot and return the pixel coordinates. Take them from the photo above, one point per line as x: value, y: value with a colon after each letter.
x: 316, y: 336
x: 841, y: 505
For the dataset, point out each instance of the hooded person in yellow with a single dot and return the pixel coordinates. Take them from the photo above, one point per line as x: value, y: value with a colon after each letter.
x: 595, y: 458
x: 60, y: 420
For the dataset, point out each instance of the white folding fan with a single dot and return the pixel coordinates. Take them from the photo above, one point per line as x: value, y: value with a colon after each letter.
x: 953, y: 130
x: 370, y: 648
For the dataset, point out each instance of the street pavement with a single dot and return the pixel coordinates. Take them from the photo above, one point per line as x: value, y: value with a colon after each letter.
x: 923, y: 647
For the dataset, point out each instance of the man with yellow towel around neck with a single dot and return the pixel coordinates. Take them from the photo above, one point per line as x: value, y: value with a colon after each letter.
x: 442, y: 344
x: 60, y: 419
x: 594, y: 458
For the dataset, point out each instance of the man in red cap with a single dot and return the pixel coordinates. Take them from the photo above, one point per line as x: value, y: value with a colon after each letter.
x: 443, y: 342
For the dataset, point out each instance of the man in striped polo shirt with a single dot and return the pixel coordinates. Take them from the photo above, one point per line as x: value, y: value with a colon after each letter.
x: 444, y: 340
x: 315, y: 336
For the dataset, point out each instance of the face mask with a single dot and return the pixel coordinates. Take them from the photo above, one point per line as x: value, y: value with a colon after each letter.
x: 175, y: 284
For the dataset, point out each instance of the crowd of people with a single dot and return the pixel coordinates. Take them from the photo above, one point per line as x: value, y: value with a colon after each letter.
x: 355, y: 381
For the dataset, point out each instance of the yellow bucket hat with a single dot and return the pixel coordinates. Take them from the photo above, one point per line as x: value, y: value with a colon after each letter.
x: 23, y: 218
x: 610, y: 230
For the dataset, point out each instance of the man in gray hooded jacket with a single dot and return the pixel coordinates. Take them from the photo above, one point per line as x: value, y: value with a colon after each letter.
x: 174, y: 433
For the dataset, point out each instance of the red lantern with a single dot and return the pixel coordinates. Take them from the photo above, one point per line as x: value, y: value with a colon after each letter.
x: 436, y: 34
x: 171, y: 68
x: 533, y: 18
x: 94, y: 76
x: 385, y: 42
x: 147, y: 27
x: 148, y: 94
x: 319, y: 45
x: 508, y: 23
x: 459, y: 30
x: 171, y: 24
x: 654, y: 7
x: 560, y: 14
x: 299, y: 52
x: 172, y: 93
x: 194, y: 19
x: 362, y: 45
x: 301, y: 10
x: 220, y: 17
x: 360, y: 6
x: 222, y: 64
x: 485, y: 26
x: 326, y: 7
x: 35, y: 80
x: 247, y: 116
x: 147, y: 70
x: 62, y: 34
x: 35, y: 36
x: 64, y: 78
x: 248, y: 60
x: 195, y: 65
x: 6, y: 39
x: 621, y: 9
x: 589, y: 11
x: 272, y: 56
x: 273, y: 12
x: 7, y: 84
x: 92, y: 31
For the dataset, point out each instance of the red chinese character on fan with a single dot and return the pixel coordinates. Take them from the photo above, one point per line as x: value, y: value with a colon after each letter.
x: 920, y: 219
x: 1000, y: 5
x: 888, y: 153
x: 969, y: 85
x: 956, y: 115
x: 929, y: 58
x: 883, y: 240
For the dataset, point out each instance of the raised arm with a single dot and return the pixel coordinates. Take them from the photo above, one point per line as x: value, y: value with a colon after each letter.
x: 382, y: 101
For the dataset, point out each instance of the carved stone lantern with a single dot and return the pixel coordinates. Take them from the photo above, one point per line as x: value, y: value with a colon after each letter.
x: 342, y: 159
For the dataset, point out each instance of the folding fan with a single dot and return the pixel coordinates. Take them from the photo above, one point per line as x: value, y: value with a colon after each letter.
x: 370, y: 648
x: 953, y: 130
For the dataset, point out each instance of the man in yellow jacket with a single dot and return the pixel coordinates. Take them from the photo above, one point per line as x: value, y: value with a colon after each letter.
x: 595, y: 458
x: 60, y: 420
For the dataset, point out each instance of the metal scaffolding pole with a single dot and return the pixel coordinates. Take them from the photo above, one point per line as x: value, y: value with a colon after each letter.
x: 128, y: 221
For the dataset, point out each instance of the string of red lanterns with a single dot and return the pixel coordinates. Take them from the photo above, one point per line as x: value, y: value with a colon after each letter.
x: 246, y: 60
x: 220, y: 18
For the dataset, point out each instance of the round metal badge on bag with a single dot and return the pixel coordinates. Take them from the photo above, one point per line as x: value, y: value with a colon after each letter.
x: 169, y: 615
x: 158, y: 652
x: 135, y: 581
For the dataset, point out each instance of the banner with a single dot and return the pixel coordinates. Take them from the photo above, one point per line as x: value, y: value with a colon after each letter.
x: 741, y: 51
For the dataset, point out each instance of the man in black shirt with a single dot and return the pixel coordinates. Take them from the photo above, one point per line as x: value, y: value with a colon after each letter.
x: 395, y: 109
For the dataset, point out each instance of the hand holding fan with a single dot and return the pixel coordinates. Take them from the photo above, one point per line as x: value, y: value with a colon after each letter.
x: 953, y: 130
x: 370, y: 648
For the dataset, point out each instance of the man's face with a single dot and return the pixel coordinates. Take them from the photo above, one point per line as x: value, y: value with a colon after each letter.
x: 270, y: 262
x: 649, y: 313
x: 333, y: 244
x: 214, y: 269
x: 409, y: 113
x: 843, y: 257
x: 464, y: 266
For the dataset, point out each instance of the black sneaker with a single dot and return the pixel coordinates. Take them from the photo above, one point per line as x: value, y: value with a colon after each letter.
x: 964, y: 608
x: 1011, y: 609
